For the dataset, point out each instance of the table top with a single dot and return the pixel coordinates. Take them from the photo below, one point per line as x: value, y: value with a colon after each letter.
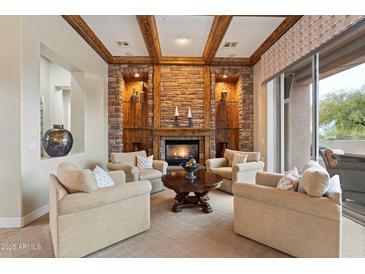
x: 205, y: 181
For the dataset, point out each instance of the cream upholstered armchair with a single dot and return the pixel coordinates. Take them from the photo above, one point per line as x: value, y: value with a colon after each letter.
x: 82, y: 223
x: 240, y: 172
x: 292, y: 222
x: 127, y: 161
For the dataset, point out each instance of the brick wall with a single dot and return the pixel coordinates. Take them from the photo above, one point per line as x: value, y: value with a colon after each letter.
x: 182, y: 86
x: 115, y: 101
x: 245, y: 86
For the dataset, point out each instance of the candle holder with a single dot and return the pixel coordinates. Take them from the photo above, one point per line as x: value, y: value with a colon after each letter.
x: 190, y: 122
x: 176, y: 121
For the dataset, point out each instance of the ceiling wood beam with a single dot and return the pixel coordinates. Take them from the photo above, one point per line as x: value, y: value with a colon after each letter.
x: 275, y: 36
x: 147, y: 25
x: 215, y: 37
x: 222, y: 61
x: 181, y: 61
x: 131, y: 60
x: 79, y: 25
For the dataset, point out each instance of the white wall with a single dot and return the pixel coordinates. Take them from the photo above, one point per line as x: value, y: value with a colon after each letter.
x: 10, y: 93
x: 54, y: 33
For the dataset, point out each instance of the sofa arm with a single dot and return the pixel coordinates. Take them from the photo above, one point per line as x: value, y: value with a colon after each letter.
x: 216, y: 162
x: 296, y: 201
x: 248, y: 166
x: 131, y: 171
x: 118, y: 176
x: 84, y: 201
x: 268, y: 178
x: 160, y: 165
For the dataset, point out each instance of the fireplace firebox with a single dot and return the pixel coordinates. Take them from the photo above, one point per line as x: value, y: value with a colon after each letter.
x: 177, y: 151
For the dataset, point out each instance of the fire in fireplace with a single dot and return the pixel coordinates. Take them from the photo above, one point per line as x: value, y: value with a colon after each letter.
x: 177, y: 151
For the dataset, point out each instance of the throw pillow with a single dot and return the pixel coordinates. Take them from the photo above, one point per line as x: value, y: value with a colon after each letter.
x: 239, y: 158
x: 102, y: 178
x: 75, y: 179
x: 315, y: 181
x: 289, y: 181
x: 144, y: 162
x: 307, y: 165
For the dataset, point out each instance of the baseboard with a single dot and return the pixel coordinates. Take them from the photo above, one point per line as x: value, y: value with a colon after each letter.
x: 10, y: 222
x: 34, y: 215
x: 14, y: 222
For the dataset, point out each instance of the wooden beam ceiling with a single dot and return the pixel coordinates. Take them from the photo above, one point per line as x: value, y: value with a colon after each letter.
x: 216, y: 34
x: 275, y: 36
x: 78, y: 24
x: 147, y: 25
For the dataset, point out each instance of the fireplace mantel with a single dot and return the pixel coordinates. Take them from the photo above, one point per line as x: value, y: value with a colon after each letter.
x: 188, y: 132
x: 181, y: 132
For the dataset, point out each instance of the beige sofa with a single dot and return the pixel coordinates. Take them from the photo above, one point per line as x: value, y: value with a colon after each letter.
x: 292, y: 222
x: 82, y: 223
x: 241, y: 172
x: 127, y: 162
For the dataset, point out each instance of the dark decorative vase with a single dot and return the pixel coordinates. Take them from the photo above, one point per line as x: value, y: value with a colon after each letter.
x: 57, y: 141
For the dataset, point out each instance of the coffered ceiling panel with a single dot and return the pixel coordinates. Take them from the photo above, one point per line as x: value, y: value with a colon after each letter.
x: 182, y: 35
x: 113, y: 30
x: 248, y: 33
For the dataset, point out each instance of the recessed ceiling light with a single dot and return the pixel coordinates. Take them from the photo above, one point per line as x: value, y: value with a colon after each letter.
x: 136, y: 75
x: 225, y: 76
x: 182, y: 40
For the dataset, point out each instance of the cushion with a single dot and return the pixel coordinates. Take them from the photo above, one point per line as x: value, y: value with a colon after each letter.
x: 307, y: 165
x: 102, y: 178
x: 75, y: 179
x: 289, y: 181
x: 334, y: 191
x: 126, y: 157
x: 239, y: 158
x: 149, y: 174
x: 315, y: 181
x: 144, y: 162
x: 251, y: 156
x: 225, y: 172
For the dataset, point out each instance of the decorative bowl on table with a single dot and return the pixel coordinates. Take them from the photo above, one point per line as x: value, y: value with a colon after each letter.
x: 190, y: 167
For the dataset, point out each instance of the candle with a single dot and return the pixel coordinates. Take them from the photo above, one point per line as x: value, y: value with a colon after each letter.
x: 176, y: 111
x: 189, y: 113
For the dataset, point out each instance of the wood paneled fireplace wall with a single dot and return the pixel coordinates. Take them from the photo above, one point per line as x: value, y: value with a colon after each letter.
x: 148, y: 120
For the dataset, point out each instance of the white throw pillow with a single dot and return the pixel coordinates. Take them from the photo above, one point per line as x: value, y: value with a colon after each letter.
x: 144, y: 162
x: 315, y: 181
x: 289, y: 181
x: 102, y: 178
x: 239, y: 158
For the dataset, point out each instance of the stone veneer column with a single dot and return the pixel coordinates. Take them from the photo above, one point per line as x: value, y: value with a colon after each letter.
x: 115, y: 109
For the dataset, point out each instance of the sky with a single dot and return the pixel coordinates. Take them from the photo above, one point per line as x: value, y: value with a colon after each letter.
x: 349, y: 79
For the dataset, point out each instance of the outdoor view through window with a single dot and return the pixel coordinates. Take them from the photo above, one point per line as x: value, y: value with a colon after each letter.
x: 342, y: 110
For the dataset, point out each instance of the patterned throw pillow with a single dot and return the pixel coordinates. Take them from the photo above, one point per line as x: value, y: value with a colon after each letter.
x: 239, y: 158
x: 289, y: 181
x: 144, y: 162
x: 102, y: 178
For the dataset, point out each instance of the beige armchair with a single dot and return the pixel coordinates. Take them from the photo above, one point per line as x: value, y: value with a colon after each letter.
x: 82, y: 223
x: 292, y: 222
x: 127, y: 162
x: 241, y: 172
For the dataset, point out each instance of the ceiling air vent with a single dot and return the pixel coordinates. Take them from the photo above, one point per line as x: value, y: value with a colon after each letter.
x: 123, y: 44
x: 230, y: 45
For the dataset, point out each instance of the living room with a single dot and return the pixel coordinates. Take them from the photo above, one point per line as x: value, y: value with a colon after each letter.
x: 182, y: 136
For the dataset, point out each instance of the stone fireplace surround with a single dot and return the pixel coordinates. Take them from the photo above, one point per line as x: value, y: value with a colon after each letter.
x: 171, y: 85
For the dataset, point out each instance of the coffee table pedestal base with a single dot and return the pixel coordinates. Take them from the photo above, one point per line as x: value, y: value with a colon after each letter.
x: 183, y: 200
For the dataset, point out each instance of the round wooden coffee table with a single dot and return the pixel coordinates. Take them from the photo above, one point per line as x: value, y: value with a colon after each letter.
x: 200, y: 186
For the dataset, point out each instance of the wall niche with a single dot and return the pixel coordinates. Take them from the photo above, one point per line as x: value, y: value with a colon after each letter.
x: 227, y: 113
x: 135, y: 112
